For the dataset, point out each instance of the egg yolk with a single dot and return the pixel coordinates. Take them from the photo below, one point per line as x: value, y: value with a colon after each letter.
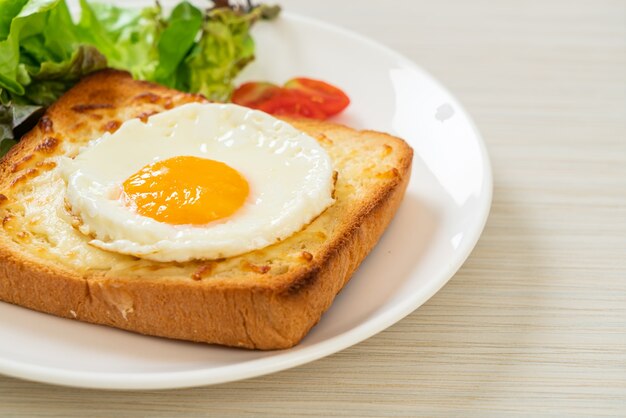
x: 186, y: 190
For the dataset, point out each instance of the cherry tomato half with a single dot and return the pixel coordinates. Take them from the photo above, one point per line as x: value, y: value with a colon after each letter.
x: 300, y: 97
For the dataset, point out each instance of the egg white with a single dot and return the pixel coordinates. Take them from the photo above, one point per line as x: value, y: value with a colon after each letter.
x: 289, y: 174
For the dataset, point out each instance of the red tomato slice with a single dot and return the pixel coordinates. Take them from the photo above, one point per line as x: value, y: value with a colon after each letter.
x: 300, y: 97
x: 328, y: 98
x: 288, y: 103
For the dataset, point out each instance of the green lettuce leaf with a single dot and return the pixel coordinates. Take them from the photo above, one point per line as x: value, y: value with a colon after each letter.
x: 52, y: 79
x: 225, y: 48
x: 44, y: 52
x: 9, y: 9
x: 28, y: 21
x: 127, y: 37
x: 41, y: 56
x: 177, y: 39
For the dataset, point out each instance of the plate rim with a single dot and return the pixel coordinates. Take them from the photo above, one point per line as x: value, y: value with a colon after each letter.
x: 286, y: 359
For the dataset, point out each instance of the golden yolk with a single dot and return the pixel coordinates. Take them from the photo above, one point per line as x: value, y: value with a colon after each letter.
x: 186, y: 190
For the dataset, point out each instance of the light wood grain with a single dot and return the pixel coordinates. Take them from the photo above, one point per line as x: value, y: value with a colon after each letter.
x: 535, y: 321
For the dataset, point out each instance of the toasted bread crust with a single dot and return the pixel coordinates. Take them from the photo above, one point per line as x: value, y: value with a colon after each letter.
x: 248, y: 310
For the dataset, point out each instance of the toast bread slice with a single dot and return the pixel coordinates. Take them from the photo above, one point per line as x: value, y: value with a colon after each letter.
x: 265, y: 299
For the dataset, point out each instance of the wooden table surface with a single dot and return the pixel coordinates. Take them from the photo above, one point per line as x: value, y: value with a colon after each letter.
x: 535, y: 321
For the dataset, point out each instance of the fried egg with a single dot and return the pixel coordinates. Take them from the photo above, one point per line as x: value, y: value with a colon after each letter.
x: 200, y: 181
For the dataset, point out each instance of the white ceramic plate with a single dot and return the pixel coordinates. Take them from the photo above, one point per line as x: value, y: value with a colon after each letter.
x: 437, y: 226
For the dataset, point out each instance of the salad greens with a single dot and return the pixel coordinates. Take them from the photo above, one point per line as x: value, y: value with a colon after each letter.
x: 44, y: 52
